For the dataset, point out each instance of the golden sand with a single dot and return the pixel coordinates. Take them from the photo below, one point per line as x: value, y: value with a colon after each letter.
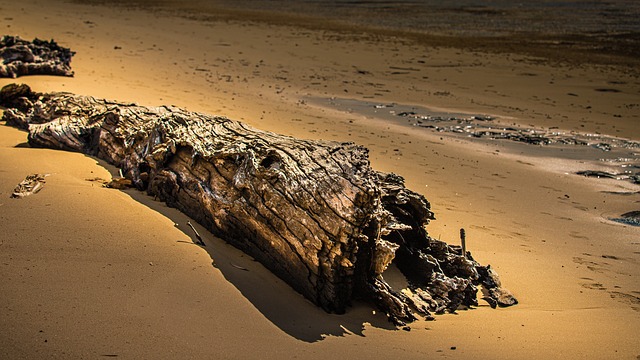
x: 88, y: 271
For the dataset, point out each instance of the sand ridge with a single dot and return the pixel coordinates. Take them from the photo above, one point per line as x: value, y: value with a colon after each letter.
x: 97, y: 271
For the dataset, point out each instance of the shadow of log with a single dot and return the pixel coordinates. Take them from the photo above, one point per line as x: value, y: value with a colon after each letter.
x: 275, y: 300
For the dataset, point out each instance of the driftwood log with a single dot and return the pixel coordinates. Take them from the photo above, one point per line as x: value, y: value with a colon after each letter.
x: 313, y: 212
x: 32, y: 184
x: 38, y: 57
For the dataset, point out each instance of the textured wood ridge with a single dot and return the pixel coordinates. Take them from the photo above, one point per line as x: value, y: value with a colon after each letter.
x: 19, y: 57
x: 313, y: 212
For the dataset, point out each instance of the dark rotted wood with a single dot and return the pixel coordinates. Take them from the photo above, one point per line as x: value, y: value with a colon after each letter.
x: 19, y: 57
x: 313, y: 212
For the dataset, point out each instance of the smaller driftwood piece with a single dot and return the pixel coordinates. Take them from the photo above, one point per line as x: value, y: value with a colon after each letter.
x: 39, y: 57
x: 313, y: 212
x: 32, y: 184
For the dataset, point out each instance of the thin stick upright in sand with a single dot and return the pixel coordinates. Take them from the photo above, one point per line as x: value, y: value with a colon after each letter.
x: 197, y: 235
x: 463, y: 241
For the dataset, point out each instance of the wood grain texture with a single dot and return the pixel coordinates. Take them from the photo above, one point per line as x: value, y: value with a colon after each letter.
x: 313, y: 212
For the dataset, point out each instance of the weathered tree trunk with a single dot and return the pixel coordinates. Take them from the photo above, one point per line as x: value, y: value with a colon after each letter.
x: 20, y: 57
x: 313, y: 212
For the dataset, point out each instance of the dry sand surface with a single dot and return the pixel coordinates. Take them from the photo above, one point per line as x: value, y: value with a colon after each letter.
x: 90, y: 272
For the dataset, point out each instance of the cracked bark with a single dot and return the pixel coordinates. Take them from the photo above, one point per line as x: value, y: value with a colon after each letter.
x: 313, y: 212
x: 38, y: 57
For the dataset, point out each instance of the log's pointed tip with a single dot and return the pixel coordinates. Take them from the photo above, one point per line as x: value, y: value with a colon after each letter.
x: 508, y: 302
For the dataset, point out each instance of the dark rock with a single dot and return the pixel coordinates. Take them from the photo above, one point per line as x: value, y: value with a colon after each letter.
x: 602, y: 146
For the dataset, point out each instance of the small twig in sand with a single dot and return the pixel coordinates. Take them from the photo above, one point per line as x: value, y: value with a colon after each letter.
x: 238, y: 267
x: 463, y: 239
x: 196, y: 232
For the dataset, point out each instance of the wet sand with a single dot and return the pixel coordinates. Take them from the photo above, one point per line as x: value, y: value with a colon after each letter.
x: 88, y: 271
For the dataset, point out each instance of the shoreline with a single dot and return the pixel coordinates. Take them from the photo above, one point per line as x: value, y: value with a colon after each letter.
x: 76, y: 260
x: 572, y: 48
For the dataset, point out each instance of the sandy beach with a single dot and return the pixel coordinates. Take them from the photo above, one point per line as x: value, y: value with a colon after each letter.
x: 91, y: 272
